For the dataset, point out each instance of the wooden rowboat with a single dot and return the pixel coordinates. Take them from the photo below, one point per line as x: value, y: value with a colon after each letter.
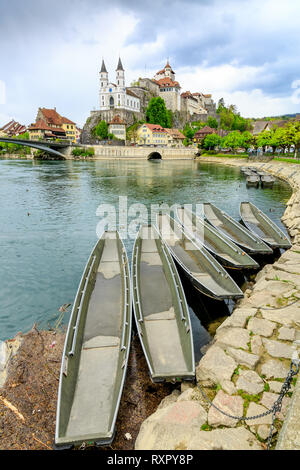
x: 160, y: 309
x: 253, y: 181
x: 227, y: 253
x: 203, y: 270
x: 236, y: 232
x: 267, y: 181
x: 96, y: 349
x: 256, y: 221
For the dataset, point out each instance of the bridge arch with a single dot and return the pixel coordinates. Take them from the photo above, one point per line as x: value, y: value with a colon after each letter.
x: 155, y: 156
x: 36, y: 145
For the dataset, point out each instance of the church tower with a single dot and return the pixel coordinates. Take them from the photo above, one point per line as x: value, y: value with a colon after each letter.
x: 103, y: 76
x: 120, y: 75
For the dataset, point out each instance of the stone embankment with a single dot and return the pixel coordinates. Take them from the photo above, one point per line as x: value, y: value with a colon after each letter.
x: 244, y: 368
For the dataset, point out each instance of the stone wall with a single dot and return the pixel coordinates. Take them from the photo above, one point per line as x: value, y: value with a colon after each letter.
x: 104, y: 152
x: 244, y: 367
x: 96, y: 116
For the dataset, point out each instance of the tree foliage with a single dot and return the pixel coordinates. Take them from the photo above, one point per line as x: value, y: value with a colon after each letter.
x: 157, y: 113
x: 230, y: 118
x: 101, y: 130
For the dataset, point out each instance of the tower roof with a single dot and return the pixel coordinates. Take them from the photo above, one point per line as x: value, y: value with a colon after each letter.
x: 103, y: 68
x: 120, y: 66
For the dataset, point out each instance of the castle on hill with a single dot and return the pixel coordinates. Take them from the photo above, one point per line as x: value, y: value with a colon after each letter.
x: 117, y: 96
x: 130, y: 103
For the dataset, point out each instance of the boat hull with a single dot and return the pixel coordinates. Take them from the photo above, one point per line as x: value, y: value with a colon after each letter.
x: 160, y: 310
x: 96, y: 350
x: 255, y: 220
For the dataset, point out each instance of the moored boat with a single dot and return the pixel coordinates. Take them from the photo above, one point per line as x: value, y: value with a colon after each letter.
x: 160, y: 309
x: 267, y: 181
x: 96, y: 349
x: 236, y: 232
x: 227, y: 253
x: 203, y: 270
x: 253, y: 181
x: 259, y: 223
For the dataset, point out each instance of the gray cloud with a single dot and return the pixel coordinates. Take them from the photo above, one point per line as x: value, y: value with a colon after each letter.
x: 207, y: 33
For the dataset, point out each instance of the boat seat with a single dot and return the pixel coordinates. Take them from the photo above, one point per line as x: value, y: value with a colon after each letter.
x: 109, y: 269
x: 149, y: 246
x: 110, y: 252
x: 153, y: 259
x: 102, y: 342
x: 190, y: 246
x: 167, y: 315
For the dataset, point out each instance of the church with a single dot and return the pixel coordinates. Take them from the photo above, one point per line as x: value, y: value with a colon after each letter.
x: 114, y: 96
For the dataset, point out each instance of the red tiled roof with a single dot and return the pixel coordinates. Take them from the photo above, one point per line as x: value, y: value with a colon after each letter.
x: 188, y: 94
x: 42, y: 125
x: 207, y: 96
x: 67, y: 121
x: 52, y: 117
x: 166, y: 81
x: 13, y: 128
x: 155, y: 127
x: 175, y: 133
x: 117, y: 120
x: 205, y: 130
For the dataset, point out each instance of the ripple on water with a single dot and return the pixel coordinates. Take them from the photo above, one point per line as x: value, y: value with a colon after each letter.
x: 43, y: 254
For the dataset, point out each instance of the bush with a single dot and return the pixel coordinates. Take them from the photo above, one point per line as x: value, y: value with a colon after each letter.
x: 82, y: 152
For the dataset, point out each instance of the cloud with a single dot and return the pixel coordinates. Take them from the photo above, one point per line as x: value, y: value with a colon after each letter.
x: 231, y: 49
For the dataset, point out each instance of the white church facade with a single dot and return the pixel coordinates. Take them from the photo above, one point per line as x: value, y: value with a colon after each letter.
x: 115, y: 96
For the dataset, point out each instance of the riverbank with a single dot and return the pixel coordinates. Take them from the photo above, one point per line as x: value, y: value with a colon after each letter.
x: 28, y: 398
x: 243, y: 369
x: 181, y: 414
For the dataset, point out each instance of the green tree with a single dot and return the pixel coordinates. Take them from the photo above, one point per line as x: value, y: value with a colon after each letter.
x: 212, y: 122
x: 101, y: 130
x: 188, y: 131
x: 233, y: 140
x: 211, y: 141
x: 157, y: 112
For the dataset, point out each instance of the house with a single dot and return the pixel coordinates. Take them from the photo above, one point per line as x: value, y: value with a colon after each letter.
x: 260, y: 126
x: 117, y: 127
x: 41, y: 130
x: 202, y: 133
x: 70, y: 129
x: 51, y: 125
x: 78, y: 132
x: 151, y: 134
x: 12, y: 128
x: 174, y: 138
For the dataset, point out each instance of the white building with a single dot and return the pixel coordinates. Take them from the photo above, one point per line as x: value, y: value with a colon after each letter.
x: 116, y: 95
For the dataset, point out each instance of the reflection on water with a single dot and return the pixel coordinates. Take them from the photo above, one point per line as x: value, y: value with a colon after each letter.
x: 48, y: 221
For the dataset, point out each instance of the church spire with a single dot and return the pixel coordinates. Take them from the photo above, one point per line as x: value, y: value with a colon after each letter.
x: 103, y: 68
x: 120, y: 66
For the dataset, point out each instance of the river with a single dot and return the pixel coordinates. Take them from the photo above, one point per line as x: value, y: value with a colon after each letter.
x: 48, y: 223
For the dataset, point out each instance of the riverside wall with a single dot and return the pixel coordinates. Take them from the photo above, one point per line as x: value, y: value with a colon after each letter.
x: 104, y: 152
x: 244, y: 367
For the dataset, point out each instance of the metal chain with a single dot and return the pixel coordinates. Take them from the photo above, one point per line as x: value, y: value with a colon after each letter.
x: 276, y: 408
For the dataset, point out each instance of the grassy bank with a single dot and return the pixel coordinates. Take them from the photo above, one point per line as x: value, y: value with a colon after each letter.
x: 225, y: 155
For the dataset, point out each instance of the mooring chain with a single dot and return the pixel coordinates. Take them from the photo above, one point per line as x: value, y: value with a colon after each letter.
x: 276, y: 408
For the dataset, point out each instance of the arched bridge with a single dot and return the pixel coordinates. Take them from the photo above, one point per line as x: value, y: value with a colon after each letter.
x: 44, y: 145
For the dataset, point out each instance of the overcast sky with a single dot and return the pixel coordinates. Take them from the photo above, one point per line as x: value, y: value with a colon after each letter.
x: 246, y: 51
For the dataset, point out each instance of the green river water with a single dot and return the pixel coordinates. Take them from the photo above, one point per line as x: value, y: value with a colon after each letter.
x: 48, y: 222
